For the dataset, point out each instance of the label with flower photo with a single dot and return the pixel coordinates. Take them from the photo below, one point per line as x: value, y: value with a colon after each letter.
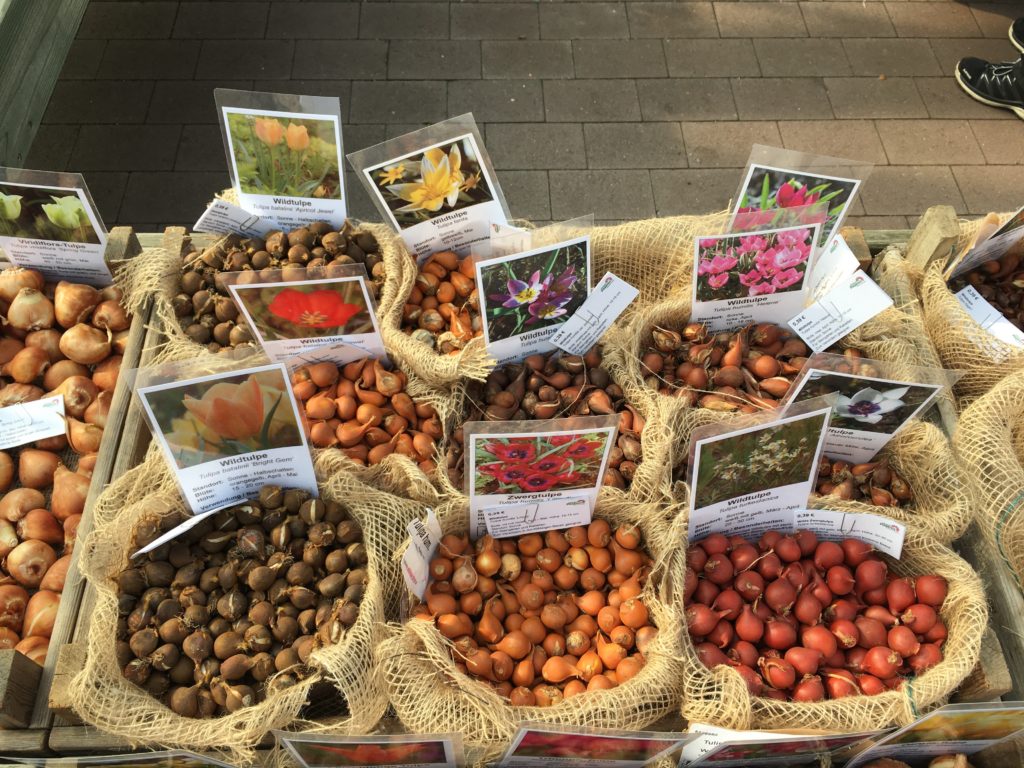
x: 526, y: 297
x: 429, y: 750
x: 964, y: 729
x: 779, y: 750
x: 768, y: 192
x: 227, y: 434
x: 285, y: 155
x: 48, y: 222
x: 176, y: 758
x: 511, y: 464
x: 749, y: 480
x: 435, y: 186
x: 993, y: 247
x: 751, y: 277
x: 867, y: 412
x: 555, y: 746
x: 290, y: 318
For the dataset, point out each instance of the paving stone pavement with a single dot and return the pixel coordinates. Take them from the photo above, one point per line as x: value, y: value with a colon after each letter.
x: 620, y: 109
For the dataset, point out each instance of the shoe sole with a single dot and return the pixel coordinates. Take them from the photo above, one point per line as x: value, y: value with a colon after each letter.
x: 1018, y: 111
x: 1014, y: 41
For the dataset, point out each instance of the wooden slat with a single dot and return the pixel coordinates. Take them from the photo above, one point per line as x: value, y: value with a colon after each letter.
x: 34, y: 41
x: 1006, y: 604
x: 68, y: 734
x: 854, y: 237
x: 934, y: 237
x: 121, y: 245
x: 19, y: 679
x: 880, y: 239
x: 991, y: 678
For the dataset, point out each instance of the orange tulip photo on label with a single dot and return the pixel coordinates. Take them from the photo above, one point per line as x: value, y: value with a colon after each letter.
x: 225, y: 416
x: 286, y: 154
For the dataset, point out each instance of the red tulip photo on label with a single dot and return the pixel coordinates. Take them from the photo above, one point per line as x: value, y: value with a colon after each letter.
x: 538, y: 463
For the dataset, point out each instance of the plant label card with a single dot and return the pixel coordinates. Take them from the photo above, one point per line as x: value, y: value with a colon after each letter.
x: 505, y: 521
x: 424, y: 536
x: 595, y: 316
x: 435, y: 186
x: 285, y: 155
x: 48, y: 222
x: 289, y: 318
x: 766, y: 190
x: 755, y: 476
x: 221, y: 216
x: 515, y: 463
x: 993, y: 247
x: 831, y: 525
x: 434, y: 750
x: 506, y: 239
x: 778, y: 749
x: 835, y: 263
x: 27, y: 422
x: 552, y: 746
x: 525, y: 298
x: 956, y: 728
x: 227, y: 434
x: 177, y: 758
x: 707, y: 738
x: 751, y: 277
x: 991, y: 319
x: 339, y: 354
x: 846, y: 307
x: 867, y: 412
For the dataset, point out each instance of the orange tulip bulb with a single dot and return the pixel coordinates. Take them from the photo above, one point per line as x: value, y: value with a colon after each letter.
x: 269, y: 131
x: 297, y: 137
x: 233, y: 411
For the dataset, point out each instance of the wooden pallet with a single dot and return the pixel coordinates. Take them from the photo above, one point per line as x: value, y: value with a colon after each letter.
x: 24, y: 687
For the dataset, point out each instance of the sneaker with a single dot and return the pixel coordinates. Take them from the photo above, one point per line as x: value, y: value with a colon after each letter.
x: 997, y: 85
x: 1017, y: 34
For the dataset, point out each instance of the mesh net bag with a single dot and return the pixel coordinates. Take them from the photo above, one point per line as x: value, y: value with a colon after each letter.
x: 102, y: 697
x: 921, y: 451
x: 430, y: 695
x: 653, y: 255
x: 720, y: 697
x: 990, y: 443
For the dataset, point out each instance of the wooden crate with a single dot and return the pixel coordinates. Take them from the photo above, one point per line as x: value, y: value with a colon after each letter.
x: 24, y: 689
x: 68, y: 734
x: 989, y: 681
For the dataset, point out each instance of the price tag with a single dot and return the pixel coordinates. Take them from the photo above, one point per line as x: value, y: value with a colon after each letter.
x: 423, y: 538
x: 27, y: 422
x: 588, y: 324
x: 834, y: 264
x: 883, y: 534
x: 506, y: 521
x: 992, y: 320
x: 222, y: 216
x: 845, y: 308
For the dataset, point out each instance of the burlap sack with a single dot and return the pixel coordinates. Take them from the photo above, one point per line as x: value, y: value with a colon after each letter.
x: 157, y: 277
x: 101, y: 696
x: 430, y: 696
x: 921, y: 452
x: 653, y: 255
x: 652, y: 481
x: 990, y: 442
x: 962, y: 344
x: 720, y: 696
